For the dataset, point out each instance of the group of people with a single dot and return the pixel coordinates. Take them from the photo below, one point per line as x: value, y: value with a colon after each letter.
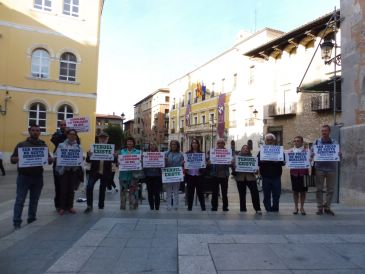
x: 66, y: 178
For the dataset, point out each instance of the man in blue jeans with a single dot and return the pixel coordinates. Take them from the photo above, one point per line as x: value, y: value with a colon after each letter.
x: 29, y: 179
x: 271, y: 178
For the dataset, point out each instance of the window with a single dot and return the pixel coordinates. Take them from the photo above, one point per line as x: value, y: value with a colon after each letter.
x: 182, y: 123
x: 43, y: 5
x: 68, y: 67
x: 195, y: 120
x: 37, y: 115
x: 40, y: 63
x: 211, y: 120
x: 71, y: 7
x: 167, y: 99
x: 64, y: 112
x: 251, y: 79
x: 203, y: 119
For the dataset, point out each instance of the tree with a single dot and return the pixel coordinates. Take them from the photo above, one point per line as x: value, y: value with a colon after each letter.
x: 116, y: 135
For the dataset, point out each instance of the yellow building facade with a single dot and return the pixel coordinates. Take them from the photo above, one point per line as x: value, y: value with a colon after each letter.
x: 48, y: 66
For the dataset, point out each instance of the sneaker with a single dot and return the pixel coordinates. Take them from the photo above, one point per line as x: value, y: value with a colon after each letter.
x: 29, y: 221
x: 319, y: 212
x: 17, y: 226
x: 88, y: 210
x: 116, y: 190
x: 329, y: 212
x: 225, y: 209
x: 258, y: 212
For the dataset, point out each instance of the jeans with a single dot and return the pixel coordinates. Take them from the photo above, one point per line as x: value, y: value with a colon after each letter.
x: 271, y: 187
x: 172, y: 194
x: 241, y: 186
x: 102, y: 187
x: 57, y: 187
x: 223, y: 182
x: 34, y: 184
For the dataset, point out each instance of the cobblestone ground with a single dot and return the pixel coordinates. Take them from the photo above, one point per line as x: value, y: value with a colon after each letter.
x: 144, y: 241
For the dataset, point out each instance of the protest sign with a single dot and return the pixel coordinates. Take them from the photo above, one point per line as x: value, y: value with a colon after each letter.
x: 271, y: 153
x: 69, y: 157
x: 194, y: 160
x: 130, y: 161
x: 297, y: 159
x: 32, y: 156
x: 153, y: 159
x: 80, y: 124
x: 172, y: 175
x: 102, y: 152
x: 246, y: 164
x: 327, y: 152
x: 221, y: 156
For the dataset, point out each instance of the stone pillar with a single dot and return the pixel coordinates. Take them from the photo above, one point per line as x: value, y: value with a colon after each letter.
x: 352, y: 187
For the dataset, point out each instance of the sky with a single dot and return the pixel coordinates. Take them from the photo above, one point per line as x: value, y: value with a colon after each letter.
x: 146, y: 44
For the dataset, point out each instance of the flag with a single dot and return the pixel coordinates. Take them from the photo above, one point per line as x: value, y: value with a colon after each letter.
x: 204, y: 89
x: 221, y: 123
x: 198, y: 90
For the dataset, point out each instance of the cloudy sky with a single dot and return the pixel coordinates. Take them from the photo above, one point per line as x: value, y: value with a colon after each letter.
x: 146, y: 44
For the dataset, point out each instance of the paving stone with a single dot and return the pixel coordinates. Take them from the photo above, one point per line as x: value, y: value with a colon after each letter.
x: 354, y: 253
x: 277, y: 271
x: 107, y: 252
x: 331, y: 271
x: 132, y: 260
x: 113, y: 242
x: 139, y: 242
x: 92, y: 238
x: 99, y: 265
x: 162, y: 259
x: 259, y: 239
x: 353, y: 238
x: 164, y: 241
x: 310, y: 256
x: 314, y: 238
x: 244, y: 257
x: 198, y: 229
x: 196, y: 264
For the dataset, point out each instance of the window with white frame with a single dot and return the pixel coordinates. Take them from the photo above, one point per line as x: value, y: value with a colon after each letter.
x: 68, y: 63
x: 63, y: 112
x: 38, y: 115
x: 43, y: 5
x: 40, y: 63
x: 71, y: 7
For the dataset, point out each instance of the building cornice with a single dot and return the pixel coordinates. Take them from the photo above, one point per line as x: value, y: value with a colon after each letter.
x: 90, y: 95
x: 30, y: 28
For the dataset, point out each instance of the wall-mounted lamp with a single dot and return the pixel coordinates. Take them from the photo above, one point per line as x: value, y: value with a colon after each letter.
x: 255, y: 112
x: 7, y: 98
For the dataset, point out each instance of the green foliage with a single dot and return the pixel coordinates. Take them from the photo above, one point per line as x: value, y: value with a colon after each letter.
x: 116, y: 135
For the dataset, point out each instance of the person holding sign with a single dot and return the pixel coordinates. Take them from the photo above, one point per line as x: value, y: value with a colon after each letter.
x: 69, y: 161
x: 325, y: 171
x: 194, y: 176
x: 220, y: 174
x: 271, y: 176
x: 174, y: 158
x: 153, y: 181
x: 128, y: 180
x: 248, y: 179
x: 99, y: 170
x: 297, y: 176
x: 29, y: 178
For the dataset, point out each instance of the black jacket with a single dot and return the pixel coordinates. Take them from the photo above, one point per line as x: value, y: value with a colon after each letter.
x: 270, y: 169
x: 95, y: 164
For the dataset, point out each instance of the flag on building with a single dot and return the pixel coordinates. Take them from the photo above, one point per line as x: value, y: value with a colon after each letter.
x: 199, y: 90
x: 204, y: 89
x: 221, y: 109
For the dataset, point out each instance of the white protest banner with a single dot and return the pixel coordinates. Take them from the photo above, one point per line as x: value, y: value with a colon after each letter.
x: 103, y: 152
x: 80, y: 124
x: 271, y: 153
x: 153, y: 159
x: 130, y: 162
x: 246, y: 164
x: 172, y: 175
x: 297, y: 159
x: 221, y: 156
x: 32, y: 156
x: 194, y: 160
x: 69, y: 157
x: 327, y: 152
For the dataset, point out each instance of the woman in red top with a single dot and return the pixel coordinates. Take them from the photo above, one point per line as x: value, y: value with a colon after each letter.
x: 297, y: 179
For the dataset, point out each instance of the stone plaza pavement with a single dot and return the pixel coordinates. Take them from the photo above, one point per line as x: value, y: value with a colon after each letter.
x: 144, y: 241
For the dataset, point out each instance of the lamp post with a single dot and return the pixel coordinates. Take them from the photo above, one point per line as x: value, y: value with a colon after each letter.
x: 122, y: 116
x: 327, y: 46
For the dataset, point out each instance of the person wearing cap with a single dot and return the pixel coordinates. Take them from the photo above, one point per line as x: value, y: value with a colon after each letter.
x: 99, y: 169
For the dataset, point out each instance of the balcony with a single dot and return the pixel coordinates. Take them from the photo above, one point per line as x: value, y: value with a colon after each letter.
x: 276, y: 109
x: 324, y: 102
x: 198, y: 127
x: 172, y: 130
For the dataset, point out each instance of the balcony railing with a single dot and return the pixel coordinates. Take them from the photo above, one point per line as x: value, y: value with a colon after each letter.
x: 276, y: 109
x: 324, y: 102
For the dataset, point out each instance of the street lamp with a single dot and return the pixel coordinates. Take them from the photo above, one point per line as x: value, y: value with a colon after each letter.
x: 122, y: 116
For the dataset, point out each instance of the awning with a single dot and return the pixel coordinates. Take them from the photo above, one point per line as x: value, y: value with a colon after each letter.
x: 321, y: 86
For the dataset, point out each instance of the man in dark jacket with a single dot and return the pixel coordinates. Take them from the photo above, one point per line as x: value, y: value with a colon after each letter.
x: 100, y: 169
x: 29, y: 179
x: 57, y: 138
